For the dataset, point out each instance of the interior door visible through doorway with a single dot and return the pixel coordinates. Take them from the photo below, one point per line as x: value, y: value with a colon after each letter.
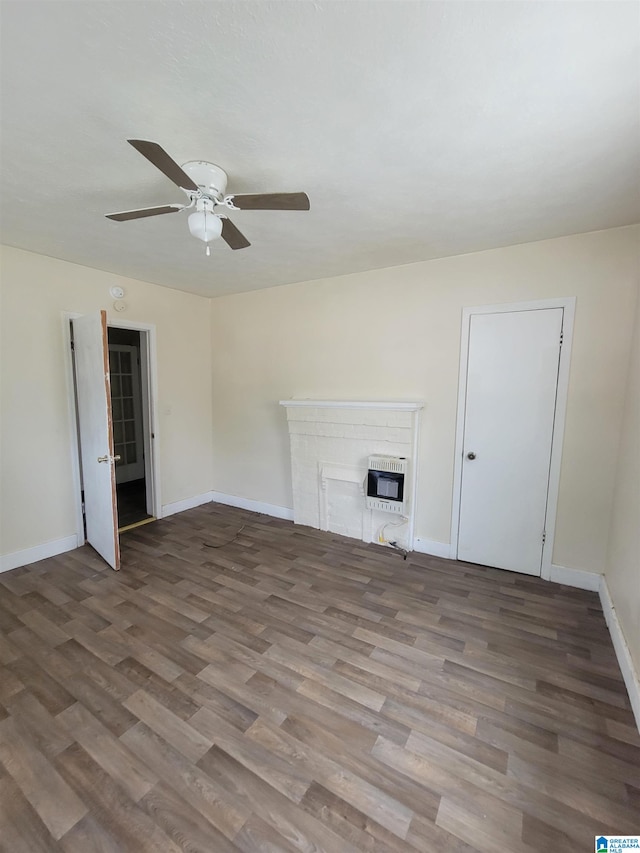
x: 124, y: 368
x: 509, y: 413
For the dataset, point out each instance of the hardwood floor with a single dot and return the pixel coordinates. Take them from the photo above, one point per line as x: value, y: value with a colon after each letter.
x: 295, y: 690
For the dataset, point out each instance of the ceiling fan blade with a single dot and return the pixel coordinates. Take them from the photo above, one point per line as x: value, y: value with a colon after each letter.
x: 161, y: 160
x: 145, y: 211
x: 272, y: 201
x: 232, y: 236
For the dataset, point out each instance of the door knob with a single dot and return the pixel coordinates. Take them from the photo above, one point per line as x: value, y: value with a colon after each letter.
x: 106, y: 458
x: 471, y: 455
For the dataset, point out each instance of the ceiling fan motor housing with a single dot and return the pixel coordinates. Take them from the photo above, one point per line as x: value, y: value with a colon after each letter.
x: 211, y: 179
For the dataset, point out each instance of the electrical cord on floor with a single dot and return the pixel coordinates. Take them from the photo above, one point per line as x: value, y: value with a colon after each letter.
x: 393, y: 543
x: 399, y: 548
x: 224, y: 544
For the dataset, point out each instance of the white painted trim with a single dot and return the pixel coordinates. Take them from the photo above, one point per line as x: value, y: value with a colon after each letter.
x: 73, y: 424
x: 568, y: 303
x: 562, y: 393
x: 187, y: 503
x: 353, y: 404
x: 147, y: 442
x: 578, y: 578
x: 629, y: 673
x: 255, y: 506
x: 414, y: 480
x: 459, y: 445
x: 38, y: 552
x: 533, y: 305
x: 430, y: 546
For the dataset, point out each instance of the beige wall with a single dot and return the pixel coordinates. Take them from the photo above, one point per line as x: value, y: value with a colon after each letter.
x: 313, y: 340
x: 318, y: 339
x: 623, y: 563
x: 36, y: 484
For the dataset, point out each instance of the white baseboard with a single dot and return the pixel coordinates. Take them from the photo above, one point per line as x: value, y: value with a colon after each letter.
x: 629, y: 673
x: 187, y: 503
x: 433, y: 548
x: 578, y: 578
x: 255, y: 506
x: 38, y: 552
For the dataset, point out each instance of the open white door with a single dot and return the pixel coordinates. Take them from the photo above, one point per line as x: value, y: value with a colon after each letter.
x: 93, y: 390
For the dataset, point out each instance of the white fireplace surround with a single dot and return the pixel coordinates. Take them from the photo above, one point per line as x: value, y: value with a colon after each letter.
x: 331, y: 441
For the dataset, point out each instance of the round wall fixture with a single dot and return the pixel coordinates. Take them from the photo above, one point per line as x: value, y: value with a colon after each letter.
x: 119, y: 305
x: 117, y: 292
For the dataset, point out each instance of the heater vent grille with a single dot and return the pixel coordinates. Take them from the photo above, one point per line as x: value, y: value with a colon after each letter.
x: 385, y: 506
x: 396, y: 464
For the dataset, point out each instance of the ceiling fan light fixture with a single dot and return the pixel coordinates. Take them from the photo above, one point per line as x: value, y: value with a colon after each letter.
x: 204, y: 224
x: 205, y: 185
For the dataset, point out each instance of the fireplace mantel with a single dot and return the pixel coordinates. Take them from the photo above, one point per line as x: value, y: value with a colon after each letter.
x: 399, y: 406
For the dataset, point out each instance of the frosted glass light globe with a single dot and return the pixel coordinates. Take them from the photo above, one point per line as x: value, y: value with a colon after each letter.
x: 205, y: 225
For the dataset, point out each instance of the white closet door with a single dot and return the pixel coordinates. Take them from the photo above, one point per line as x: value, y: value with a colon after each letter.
x: 512, y: 377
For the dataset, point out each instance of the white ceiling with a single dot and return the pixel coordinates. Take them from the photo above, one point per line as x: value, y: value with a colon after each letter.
x: 418, y: 129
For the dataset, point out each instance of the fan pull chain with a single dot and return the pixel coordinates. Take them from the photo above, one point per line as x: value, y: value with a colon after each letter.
x: 208, y: 251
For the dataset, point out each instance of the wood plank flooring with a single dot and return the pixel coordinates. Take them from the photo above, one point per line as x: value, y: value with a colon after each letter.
x: 294, y: 690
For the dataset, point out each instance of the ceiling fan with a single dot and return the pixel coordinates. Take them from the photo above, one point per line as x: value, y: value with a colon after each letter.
x: 205, y: 185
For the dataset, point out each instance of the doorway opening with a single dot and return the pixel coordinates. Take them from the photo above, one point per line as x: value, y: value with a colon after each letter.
x: 128, y: 407
x: 127, y: 352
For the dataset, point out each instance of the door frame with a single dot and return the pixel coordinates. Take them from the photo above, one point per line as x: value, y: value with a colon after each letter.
x: 568, y: 303
x: 149, y: 377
